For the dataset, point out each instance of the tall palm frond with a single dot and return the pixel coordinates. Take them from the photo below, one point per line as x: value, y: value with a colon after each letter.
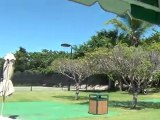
x: 132, y: 27
x: 119, y: 24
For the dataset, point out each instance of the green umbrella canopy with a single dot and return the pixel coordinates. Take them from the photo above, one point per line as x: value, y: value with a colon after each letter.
x: 147, y: 10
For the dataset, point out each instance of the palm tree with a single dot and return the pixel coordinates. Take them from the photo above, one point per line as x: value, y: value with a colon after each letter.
x: 132, y: 27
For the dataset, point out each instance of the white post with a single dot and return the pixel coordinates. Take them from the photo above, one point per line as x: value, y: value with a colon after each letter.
x: 2, y: 105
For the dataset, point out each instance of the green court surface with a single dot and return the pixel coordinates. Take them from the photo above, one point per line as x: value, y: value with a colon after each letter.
x: 49, y: 111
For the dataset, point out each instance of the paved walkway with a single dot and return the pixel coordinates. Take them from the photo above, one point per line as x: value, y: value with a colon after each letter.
x: 36, y: 88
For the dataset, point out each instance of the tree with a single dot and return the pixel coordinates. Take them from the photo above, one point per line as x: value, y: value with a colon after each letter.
x: 22, y: 60
x: 154, y: 38
x: 134, y: 66
x: 102, y: 38
x: 1, y: 67
x: 40, y: 61
x: 77, y: 70
x: 102, y: 64
x: 133, y: 28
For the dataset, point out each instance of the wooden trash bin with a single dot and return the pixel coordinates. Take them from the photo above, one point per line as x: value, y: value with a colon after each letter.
x: 98, y: 104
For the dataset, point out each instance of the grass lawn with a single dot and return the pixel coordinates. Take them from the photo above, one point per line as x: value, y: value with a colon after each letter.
x: 51, y: 104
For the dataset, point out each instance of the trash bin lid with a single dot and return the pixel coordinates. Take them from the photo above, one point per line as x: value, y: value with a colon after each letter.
x: 99, y: 97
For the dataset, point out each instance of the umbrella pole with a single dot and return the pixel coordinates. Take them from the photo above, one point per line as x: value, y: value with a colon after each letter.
x: 2, y: 105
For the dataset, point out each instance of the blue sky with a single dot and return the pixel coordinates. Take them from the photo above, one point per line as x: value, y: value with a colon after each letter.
x: 45, y: 24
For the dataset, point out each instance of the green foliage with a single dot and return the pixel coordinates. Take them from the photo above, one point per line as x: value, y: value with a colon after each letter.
x: 75, y: 69
x: 103, y: 38
x: 154, y: 38
x: 135, y: 66
x: 133, y: 28
x: 42, y: 60
x: 1, y: 62
x: 22, y: 60
x: 1, y: 66
x: 36, y: 61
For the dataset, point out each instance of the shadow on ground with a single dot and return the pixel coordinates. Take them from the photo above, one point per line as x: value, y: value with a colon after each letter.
x: 149, y: 92
x: 140, y: 105
x: 71, y: 98
x: 14, y: 116
x: 127, y: 104
x: 122, y: 104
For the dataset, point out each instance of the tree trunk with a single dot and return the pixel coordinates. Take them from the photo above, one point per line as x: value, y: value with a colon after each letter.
x: 87, y: 84
x: 135, y: 91
x: 135, y: 41
x: 111, y: 85
x: 120, y: 85
x: 77, y: 91
x: 134, y: 100
x: 69, y: 85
